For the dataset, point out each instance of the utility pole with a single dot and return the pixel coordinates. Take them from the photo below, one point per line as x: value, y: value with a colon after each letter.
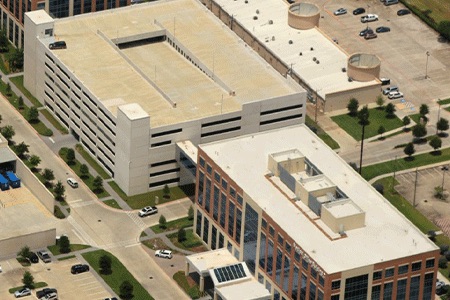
x: 426, y: 65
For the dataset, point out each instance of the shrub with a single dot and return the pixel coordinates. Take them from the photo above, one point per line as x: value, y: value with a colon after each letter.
x: 444, y: 248
x: 379, y: 187
x: 443, y: 262
x: 47, y: 132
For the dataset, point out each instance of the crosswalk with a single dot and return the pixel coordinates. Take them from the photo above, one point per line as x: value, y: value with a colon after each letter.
x: 137, y: 220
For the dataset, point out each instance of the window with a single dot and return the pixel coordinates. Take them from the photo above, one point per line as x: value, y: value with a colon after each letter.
x: 288, y: 248
x: 264, y: 225
x: 321, y: 280
x: 416, y: 266
x: 216, y: 177
x: 401, y: 289
x: 202, y: 162
x: 223, y: 211
x: 232, y: 192
x: 198, y: 228
x: 403, y: 269
x: 376, y: 290
x: 262, y: 251
x: 207, y: 195
x: 377, y: 275
x: 414, y: 288
x: 205, y: 230
x: 297, y: 256
x: 231, y: 219
x: 238, y: 225
x: 280, y: 240
x: 312, y: 291
x: 269, y: 257
x: 224, y: 184
x: 208, y: 169
x: 387, y: 294
x: 336, y: 284
x: 213, y: 237
x: 216, y: 203
x: 240, y: 200
x: 356, y: 287
x: 305, y: 264
x: 429, y: 263
x: 428, y: 286
x: 389, y: 272
x: 278, y: 264
x: 335, y: 297
x: 313, y: 273
x: 271, y: 231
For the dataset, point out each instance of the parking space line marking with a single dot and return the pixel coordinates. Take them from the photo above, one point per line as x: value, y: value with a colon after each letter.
x: 132, y: 245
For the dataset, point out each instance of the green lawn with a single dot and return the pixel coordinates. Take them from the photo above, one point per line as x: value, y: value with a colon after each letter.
x: 66, y: 257
x: 91, y: 161
x: 113, y: 203
x: 191, y: 289
x: 191, y: 241
x: 445, y: 101
x: 54, y: 249
x: 53, y: 121
x: 87, y: 180
x: 119, y: 274
x: 399, y: 164
x: 141, y: 200
x: 377, y: 117
x: 321, y: 134
x: 432, y: 11
x: 58, y: 213
x: 18, y: 81
x: 173, y: 225
x: 37, y: 285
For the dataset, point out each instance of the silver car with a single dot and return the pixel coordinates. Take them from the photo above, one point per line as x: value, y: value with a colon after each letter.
x: 340, y: 11
x: 395, y: 95
x: 390, y: 89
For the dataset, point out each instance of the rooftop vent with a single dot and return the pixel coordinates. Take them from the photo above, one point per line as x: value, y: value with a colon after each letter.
x: 270, y: 22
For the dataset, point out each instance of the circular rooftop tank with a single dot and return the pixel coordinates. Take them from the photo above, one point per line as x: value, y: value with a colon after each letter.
x: 303, y: 16
x: 363, y: 67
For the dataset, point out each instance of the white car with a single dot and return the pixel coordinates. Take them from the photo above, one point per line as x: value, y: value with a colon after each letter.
x: 148, y: 210
x: 163, y: 253
x: 340, y: 11
x: 439, y: 284
x: 22, y: 292
x: 369, y: 18
x: 72, y: 182
x: 395, y: 95
x: 390, y: 89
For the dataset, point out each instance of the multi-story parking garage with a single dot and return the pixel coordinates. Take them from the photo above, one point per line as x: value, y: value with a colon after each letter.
x: 132, y: 82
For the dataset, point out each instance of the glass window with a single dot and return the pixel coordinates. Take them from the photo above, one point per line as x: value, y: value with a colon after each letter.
x: 216, y: 176
x: 207, y: 194
x: 403, y: 269
x: 389, y: 272
x: 198, y: 228
x: 286, y: 268
x: 208, y: 169
x: 213, y: 237
x: 232, y: 192
x: 276, y: 295
x: 335, y: 297
x: 387, y: 293
x: 430, y: 263
x: 303, y: 287
x: 269, y: 257
x: 260, y: 278
x: 250, y: 236
x: 356, y: 287
x: 297, y: 256
x: 321, y: 280
x: 287, y: 247
x: 313, y: 273
x: 336, y: 284
x: 428, y: 286
x: 231, y: 219
x: 416, y: 266
x: 305, y: 264
x: 401, y: 289
x: 295, y: 282
x: 414, y: 288
x: 264, y: 224
x: 319, y: 295
x: 224, y: 184
x: 376, y: 292
x: 262, y: 251
x: 312, y: 291
x: 377, y: 275
x: 271, y: 231
x: 223, y: 210
x: 280, y: 240
x: 216, y: 203
x: 202, y: 162
x: 238, y: 225
x: 205, y: 230
x: 240, y: 200
x: 229, y: 247
x: 221, y: 240
x: 201, y: 178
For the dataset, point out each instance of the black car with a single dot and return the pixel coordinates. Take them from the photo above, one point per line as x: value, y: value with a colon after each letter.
x: 45, y: 292
x: 34, y: 259
x: 79, y: 269
x: 403, y: 12
x: 359, y: 11
x: 365, y: 31
x: 383, y: 29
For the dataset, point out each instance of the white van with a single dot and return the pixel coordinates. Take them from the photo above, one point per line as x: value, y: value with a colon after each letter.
x: 72, y: 182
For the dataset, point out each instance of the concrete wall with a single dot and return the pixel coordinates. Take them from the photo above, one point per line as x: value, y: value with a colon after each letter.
x: 339, y: 100
x: 35, y: 186
x: 35, y: 240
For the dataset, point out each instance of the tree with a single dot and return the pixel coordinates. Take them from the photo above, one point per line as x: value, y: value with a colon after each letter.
x: 162, y: 222
x: 4, y: 43
x: 48, y: 175
x: 24, y: 252
x: 363, y: 116
x: 380, y: 101
x: 406, y: 121
x: 28, y: 280
x: 70, y: 156
x: 8, y: 132
x: 181, y: 235
x: 423, y: 110
x: 409, y: 149
x: 435, y: 143
x: 59, y: 190
x: 381, y: 130
x: 22, y: 149
x: 8, y: 90
x: 64, y: 244
x: 443, y: 262
x: 97, y: 184
x: 20, y: 102
x: 352, y: 107
x: 84, y: 170
x: 1, y: 119
x: 166, y: 191
x: 442, y: 124
x: 34, y: 161
x: 419, y: 131
x: 15, y: 60
x: 105, y: 264
x: 444, y: 29
x: 33, y: 115
x: 191, y: 213
x: 390, y: 110
x: 126, y: 290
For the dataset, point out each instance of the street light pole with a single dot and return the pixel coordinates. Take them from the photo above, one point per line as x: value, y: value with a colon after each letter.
x: 426, y: 65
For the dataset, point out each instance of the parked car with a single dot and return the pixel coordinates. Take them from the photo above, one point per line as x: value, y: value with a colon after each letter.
x: 340, y: 11
x: 79, y: 268
x: 148, y: 210
x: 365, y: 31
x: 390, y: 89
x: 113, y: 298
x: 163, y: 253
x: 34, y: 259
x: 57, y: 45
x: 439, y: 284
x: 403, y: 12
x: 382, y: 29
x: 385, y: 81
x: 42, y: 293
x: 51, y: 296
x: 72, y: 182
x: 44, y: 256
x: 395, y: 95
x: 359, y: 11
x: 22, y: 293
x: 369, y: 18
x: 369, y: 36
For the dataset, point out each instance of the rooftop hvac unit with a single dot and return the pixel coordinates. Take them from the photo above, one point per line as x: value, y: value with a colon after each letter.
x: 273, y: 38
x: 270, y: 22
x: 290, y: 42
x: 330, y: 197
x: 257, y: 11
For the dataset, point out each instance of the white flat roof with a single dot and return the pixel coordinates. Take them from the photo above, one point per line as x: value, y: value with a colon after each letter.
x: 343, y: 208
x: 205, y: 261
x: 245, y: 160
x: 325, y: 77
x: 158, y: 72
x: 247, y: 290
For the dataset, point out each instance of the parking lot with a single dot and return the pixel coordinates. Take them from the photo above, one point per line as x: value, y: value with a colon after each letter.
x: 436, y: 210
x: 57, y: 275
x: 403, y: 50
